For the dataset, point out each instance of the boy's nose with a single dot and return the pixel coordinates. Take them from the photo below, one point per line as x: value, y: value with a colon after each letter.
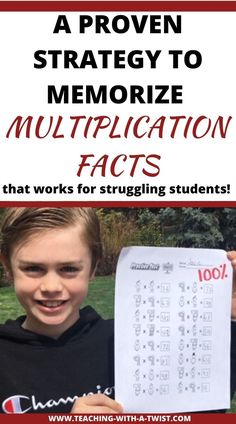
x: 51, y: 284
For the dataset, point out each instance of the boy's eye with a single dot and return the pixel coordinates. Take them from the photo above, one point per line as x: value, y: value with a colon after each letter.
x: 69, y: 269
x: 33, y: 269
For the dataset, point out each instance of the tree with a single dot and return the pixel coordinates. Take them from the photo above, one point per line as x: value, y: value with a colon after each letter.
x: 228, y: 225
x: 191, y: 227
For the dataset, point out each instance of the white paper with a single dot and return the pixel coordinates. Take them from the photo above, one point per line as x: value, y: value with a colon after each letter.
x: 172, y: 329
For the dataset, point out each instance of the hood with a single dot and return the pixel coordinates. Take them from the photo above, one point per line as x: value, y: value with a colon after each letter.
x: 12, y: 330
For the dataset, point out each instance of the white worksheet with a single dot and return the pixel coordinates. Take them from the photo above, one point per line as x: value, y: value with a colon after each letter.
x: 172, y: 329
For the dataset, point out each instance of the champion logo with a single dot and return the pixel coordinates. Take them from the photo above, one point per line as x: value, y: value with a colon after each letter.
x: 12, y: 405
x: 20, y: 404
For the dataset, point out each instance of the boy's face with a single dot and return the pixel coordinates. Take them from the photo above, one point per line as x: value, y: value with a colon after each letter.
x: 51, y: 272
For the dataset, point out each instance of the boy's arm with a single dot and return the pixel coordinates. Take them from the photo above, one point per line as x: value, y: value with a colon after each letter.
x: 233, y: 358
x: 232, y: 258
x: 96, y: 404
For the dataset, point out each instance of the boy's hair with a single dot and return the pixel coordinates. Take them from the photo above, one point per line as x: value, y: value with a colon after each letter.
x: 20, y: 223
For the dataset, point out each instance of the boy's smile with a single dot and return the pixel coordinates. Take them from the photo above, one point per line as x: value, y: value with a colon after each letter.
x: 51, y: 272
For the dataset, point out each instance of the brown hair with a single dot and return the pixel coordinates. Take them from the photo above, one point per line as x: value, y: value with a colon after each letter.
x: 20, y: 223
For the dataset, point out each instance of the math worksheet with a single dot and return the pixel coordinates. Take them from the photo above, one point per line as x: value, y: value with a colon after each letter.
x: 172, y: 329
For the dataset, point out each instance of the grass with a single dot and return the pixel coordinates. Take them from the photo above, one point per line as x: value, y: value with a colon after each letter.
x: 9, y: 306
x: 233, y: 406
x: 101, y: 295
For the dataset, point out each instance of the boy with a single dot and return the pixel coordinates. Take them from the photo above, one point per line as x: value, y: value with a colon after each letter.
x: 57, y: 354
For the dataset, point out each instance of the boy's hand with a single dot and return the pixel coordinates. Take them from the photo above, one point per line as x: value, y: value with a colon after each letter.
x: 232, y: 257
x: 96, y: 404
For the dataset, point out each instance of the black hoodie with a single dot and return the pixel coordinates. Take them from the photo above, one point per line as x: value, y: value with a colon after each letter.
x: 41, y: 375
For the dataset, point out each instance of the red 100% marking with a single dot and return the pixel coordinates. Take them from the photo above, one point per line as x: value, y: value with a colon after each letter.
x: 216, y: 273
